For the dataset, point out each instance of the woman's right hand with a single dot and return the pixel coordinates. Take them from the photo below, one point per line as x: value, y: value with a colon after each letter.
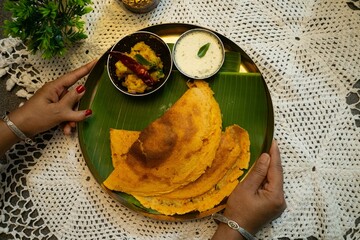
x: 258, y: 199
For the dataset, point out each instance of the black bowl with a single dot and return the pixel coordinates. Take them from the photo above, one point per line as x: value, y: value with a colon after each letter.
x: 125, y: 44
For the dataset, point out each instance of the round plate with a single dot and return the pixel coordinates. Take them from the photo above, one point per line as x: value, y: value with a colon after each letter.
x: 239, y: 89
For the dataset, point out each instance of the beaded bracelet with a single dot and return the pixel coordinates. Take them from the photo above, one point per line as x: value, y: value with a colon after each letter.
x: 234, y: 225
x: 16, y: 130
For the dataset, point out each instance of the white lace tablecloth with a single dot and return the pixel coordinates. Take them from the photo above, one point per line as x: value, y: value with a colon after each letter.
x: 309, y: 54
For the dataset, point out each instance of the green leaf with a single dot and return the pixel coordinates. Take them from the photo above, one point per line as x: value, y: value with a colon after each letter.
x: 232, y: 62
x: 77, y: 36
x: 143, y: 61
x: 86, y: 10
x: 79, y: 24
x: 202, y: 51
x: 50, y: 10
x: 45, y: 11
x: 171, y: 46
x: 10, y: 28
x: 45, y: 42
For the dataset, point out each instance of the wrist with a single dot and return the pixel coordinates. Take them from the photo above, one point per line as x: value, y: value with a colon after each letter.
x: 19, y: 134
x: 233, y: 225
x: 22, y: 122
x: 241, y: 221
x: 8, y: 138
x: 225, y: 232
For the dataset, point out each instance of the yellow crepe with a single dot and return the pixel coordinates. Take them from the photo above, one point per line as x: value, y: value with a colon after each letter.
x: 233, y: 141
x: 233, y: 135
x: 120, y: 143
x: 175, y: 149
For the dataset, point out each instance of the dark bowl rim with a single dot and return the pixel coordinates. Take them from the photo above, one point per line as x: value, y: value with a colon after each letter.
x: 153, y: 90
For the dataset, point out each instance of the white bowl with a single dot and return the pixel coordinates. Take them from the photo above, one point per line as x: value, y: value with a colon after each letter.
x: 187, y: 55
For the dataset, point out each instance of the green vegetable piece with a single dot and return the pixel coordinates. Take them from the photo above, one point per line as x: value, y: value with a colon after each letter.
x: 143, y: 61
x: 202, y: 51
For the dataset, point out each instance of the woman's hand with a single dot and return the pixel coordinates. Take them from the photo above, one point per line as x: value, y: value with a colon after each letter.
x: 53, y: 104
x: 258, y: 199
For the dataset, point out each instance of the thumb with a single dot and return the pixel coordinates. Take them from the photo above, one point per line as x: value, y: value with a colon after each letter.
x: 258, y: 173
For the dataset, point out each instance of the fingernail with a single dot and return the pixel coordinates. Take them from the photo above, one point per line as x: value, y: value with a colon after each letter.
x: 88, y: 112
x: 80, y: 88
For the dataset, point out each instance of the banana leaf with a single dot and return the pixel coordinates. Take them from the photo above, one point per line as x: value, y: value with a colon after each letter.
x: 243, y: 100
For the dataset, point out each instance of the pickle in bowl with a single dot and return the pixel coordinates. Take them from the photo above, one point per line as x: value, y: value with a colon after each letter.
x: 139, y: 64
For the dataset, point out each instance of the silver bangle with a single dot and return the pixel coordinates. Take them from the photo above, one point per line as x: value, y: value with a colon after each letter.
x: 234, y: 225
x: 16, y: 130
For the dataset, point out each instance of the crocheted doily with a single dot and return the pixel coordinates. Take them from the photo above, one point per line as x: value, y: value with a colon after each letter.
x: 308, y: 53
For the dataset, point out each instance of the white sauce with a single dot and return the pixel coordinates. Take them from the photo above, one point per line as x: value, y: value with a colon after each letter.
x: 187, y: 60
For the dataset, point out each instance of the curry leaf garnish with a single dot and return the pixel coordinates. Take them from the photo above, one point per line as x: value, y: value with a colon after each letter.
x: 143, y: 61
x: 202, y: 51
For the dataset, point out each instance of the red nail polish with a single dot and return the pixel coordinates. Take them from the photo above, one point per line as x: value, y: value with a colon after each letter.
x: 88, y: 112
x: 80, y: 88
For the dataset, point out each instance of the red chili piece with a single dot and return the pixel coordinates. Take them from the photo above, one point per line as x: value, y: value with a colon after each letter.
x: 134, y: 66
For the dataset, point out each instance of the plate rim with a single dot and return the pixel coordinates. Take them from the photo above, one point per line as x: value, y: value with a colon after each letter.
x: 160, y: 29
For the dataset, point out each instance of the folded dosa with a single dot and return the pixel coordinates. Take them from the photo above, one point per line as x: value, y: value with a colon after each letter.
x: 175, y: 149
x: 234, y: 141
x: 234, y: 152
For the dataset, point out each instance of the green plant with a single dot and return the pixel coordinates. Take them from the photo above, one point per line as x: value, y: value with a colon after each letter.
x: 47, y: 26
